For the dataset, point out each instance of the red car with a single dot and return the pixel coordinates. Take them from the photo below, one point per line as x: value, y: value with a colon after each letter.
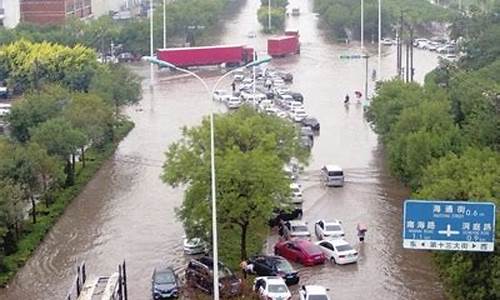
x: 301, y: 251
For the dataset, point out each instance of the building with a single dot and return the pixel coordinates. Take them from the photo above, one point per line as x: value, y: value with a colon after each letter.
x: 9, y: 13
x: 54, y: 11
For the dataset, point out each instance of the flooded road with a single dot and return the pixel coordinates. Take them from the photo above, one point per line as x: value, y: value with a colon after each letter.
x: 126, y: 212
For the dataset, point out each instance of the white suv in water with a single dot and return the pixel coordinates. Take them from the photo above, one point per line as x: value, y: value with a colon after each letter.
x: 332, y: 175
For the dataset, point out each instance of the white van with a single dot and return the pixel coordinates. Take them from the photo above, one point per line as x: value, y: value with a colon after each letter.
x: 332, y: 175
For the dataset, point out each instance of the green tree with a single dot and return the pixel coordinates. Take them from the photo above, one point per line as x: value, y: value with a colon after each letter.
x: 116, y: 85
x: 61, y: 139
x: 11, y: 214
x: 250, y: 151
x: 36, y: 107
x: 277, y: 18
x: 90, y: 114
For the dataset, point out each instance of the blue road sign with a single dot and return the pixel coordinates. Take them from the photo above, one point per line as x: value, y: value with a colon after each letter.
x: 449, y: 225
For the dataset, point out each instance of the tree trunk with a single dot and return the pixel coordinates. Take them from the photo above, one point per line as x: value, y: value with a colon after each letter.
x: 83, y: 157
x: 70, y: 180
x: 243, y: 241
x: 73, y: 163
x: 33, y: 208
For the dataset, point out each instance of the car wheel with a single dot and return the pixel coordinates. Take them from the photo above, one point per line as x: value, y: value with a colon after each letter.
x: 333, y: 260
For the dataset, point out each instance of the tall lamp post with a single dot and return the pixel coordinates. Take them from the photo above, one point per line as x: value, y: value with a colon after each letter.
x: 269, y: 15
x: 164, y: 24
x: 215, y: 255
x: 151, y: 44
x: 362, y: 24
x: 379, y: 38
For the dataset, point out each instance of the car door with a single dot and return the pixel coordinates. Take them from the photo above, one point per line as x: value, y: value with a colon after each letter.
x: 327, y: 249
x: 260, y: 267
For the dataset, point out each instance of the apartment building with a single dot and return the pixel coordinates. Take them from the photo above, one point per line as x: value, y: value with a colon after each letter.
x: 53, y: 11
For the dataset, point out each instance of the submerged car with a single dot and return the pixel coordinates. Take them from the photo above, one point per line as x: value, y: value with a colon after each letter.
x: 271, y: 288
x: 194, y: 246
x: 332, y: 229
x: 300, y: 251
x: 296, y: 229
x: 338, y: 251
x: 269, y: 265
x: 312, y: 123
x: 313, y: 292
x: 199, y: 274
x: 164, y: 284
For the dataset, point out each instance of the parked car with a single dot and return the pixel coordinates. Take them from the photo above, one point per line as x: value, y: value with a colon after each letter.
x: 311, y: 122
x: 447, y: 49
x: 164, y: 283
x: 313, y: 292
x: 271, y: 288
x: 307, y: 131
x: 296, y: 193
x: 386, y: 42
x: 332, y: 175
x: 233, y: 102
x: 266, y: 265
x: 238, y: 77
x: 282, y: 215
x: 294, y: 105
x: 221, y: 95
x: 338, y: 251
x: 306, y: 142
x: 286, y: 76
x: 331, y: 229
x: 251, y: 34
x: 295, y: 229
x: 194, y: 246
x: 199, y: 275
x: 298, y: 114
x: 300, y: 251
x: 297, y: 96
x: 4, y: 92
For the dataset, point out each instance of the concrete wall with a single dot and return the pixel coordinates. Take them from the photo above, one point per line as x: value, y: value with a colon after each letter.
x: 102, y: 7
x: 53, y: 11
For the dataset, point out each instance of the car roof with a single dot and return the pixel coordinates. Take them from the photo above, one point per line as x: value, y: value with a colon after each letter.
x: 294, y: 185
x: 164, y: 269
x: 272, y: 279
x: 315, y: 290
x: 332, y: 222
x: 337, y: 242
x: 333, y: 168
x: 297, y: 222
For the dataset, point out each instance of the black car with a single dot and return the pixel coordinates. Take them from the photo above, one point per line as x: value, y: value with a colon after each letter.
x: 280, y: 214
x: 297, y: 97
x: 307, y: 131
x: 313, y: 123
x: 286, y: 76
x: 164, y: 283
x: 199, y: 275
x: 264, y: 265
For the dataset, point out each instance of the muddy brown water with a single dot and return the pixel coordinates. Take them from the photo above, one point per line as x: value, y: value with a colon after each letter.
x: 126, y: 212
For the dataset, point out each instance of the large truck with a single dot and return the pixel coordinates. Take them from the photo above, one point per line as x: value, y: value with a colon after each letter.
x: 230, y: 55
x: 284, y: 45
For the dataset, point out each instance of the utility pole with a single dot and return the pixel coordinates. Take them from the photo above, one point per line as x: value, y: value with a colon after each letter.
x: 400, y: 46
x: 269, y: 15
x: 151, y: 44
x: 407, y: 52
x: 412, y: 70
x: 366, y: 77
x: 362, y: 24
x: 164, y: 25
x: 398, y: 53
x: 379, y: 39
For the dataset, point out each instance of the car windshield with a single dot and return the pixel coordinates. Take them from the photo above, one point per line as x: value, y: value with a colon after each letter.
x: 317, y: 297
x: 277, y: 288
x: 164, y: 277
x: 333, y: 228
x: 283, y: 266
x: 335, y: 173
x: 295, y: 190
x: 343, y: 248
x: 299, y: 228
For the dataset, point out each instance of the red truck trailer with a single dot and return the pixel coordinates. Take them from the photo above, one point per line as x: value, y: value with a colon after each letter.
x: 231, y: 55
x: 283, y: 45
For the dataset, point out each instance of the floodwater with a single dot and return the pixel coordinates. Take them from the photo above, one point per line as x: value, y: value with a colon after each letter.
x: 126, y: 212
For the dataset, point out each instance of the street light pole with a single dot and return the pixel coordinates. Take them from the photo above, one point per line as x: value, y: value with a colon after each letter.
x: 164, y: 25
x: 379, y: 38
x: 269, y: 15
x: 366, y: 77
x: 151, y: 44
x: 362, y: 24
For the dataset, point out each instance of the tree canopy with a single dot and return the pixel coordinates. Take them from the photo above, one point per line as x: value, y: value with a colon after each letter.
x: 251, y: 149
